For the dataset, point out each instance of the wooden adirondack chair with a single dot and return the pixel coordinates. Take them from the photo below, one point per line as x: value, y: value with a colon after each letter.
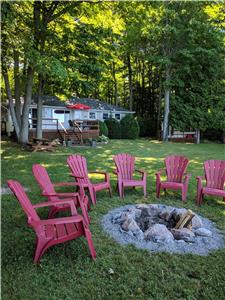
x: 48, y: 191
x: 78, y: 167
x: 215, y: 179
x: 52, y: 231
x: 175, y: 168
x: 125, y: 170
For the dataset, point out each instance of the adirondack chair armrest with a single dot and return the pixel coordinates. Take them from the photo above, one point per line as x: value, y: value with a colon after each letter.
x: 144, y: 173
x: 200, y: 178
x: 102, y: 173
x: 187, y: 177
x: 68, y: 195
x: 65, y: 184
x: 60, y: 202
x: 74, y: 219
x: 77, y: 176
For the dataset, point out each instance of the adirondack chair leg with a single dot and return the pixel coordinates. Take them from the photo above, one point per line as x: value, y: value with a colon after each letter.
x: 92, y: 195
x: 158, y: 188
x: 110, y: 191
x: 90, y: 242
x: 184, y: 194
x: 119, y: 184
x: 40, y: 249
x: 145, y: 192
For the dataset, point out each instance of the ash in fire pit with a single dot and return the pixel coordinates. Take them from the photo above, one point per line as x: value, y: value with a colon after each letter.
x: 161, y: 228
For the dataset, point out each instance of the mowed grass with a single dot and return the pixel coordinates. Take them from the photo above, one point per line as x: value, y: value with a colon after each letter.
x: 67, y: 272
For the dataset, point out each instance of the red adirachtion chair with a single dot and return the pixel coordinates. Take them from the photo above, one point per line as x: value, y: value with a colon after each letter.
x: 78, y: 167
x: 125, y: 168
x: 52, y: 231
x: 176, y: 179
x: 48, y: 191
x: 215, y: 179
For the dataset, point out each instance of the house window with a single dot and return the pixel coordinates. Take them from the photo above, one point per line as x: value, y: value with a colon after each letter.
x: 105, y: 116
x: 117, y: 116
x: 92, y: 115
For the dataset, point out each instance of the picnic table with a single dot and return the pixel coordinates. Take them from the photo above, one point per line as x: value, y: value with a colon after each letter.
x: 42, y: 145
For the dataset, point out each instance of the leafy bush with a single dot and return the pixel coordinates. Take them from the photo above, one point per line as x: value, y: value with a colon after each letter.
x: 103, y: 128
x: 103, y: 138
x: 129, y: 127
x: 114, y: 128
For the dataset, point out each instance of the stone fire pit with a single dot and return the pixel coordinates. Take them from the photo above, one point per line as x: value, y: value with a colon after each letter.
x: 152, y: 227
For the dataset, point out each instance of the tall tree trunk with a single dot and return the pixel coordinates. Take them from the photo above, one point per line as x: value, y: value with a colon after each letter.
x: 130, y: 82
x: 17, y: 87
x: 11, y: 104
x: 198, y: 136
x: 158, y: 121
x: 115, y: 84
x: 24, y: 133
x: 39, y: 107
x: 166, y: 106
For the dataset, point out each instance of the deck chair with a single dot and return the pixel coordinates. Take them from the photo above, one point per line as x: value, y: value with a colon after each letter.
x: 78, y: 167
x: 48, y: 191
x: 125, y: 170
x: 176, y: 178
x: 215, y: 179
x: 52, y: 231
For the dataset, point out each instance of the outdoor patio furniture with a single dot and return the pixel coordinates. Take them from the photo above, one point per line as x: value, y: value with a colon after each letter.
x: 125, y: 170
x: 52, y: 231
x: 215, y: 179
x: 78, y: 167
x: 176, y: 179
x: 48, y: 191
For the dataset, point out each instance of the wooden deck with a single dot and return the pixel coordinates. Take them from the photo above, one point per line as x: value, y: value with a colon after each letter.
x: 79, y: 133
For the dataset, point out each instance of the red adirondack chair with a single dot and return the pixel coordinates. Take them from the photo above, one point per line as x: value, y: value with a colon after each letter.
x: 52, y: 231
x: 125, y: 170
x: 175, y: 168
x: 78, y: 166
x: 48, y: 191
x: 215, y: 179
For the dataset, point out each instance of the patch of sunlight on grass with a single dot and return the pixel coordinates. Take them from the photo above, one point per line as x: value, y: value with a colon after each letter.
x: 155, y: 142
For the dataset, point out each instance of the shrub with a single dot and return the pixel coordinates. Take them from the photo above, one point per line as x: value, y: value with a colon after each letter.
x: 103, y: 138
x: 103, y: 128
x: 113, y: 128
x: 129, y: 127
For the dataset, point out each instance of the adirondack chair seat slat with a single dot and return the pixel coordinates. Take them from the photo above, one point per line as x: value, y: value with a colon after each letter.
x: 125, y: 168
x: 171, y: 185
x: 176, y: 178
x: 215, y: 192
x: 78, y: 167
x: 51, y: 232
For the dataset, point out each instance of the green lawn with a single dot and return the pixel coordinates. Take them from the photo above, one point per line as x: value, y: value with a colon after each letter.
x: 66, y: 271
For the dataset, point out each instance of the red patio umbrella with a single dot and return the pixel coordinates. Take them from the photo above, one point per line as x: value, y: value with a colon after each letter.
x: 79, y: 106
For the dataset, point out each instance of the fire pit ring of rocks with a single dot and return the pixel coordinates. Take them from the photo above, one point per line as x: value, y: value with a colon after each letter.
x: 154, y: 227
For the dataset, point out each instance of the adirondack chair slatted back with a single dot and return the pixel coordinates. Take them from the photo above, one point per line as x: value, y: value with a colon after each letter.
x: 43, y: 180
x: 175, y: 167
x: 21, y: 196
x: 125, y: 165
x: 78, y: 166
x: 215, y: 173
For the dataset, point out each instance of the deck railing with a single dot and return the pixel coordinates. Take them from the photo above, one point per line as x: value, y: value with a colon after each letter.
x: 55, y: 124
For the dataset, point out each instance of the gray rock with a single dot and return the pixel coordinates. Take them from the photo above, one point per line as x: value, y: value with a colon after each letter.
x: 183, y: 234
x: 203, y: 232
x: 166, y: 213
x: 196, y: 222
x: 158, y: 232
x: 153, y: 210
x: 130, y: 224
